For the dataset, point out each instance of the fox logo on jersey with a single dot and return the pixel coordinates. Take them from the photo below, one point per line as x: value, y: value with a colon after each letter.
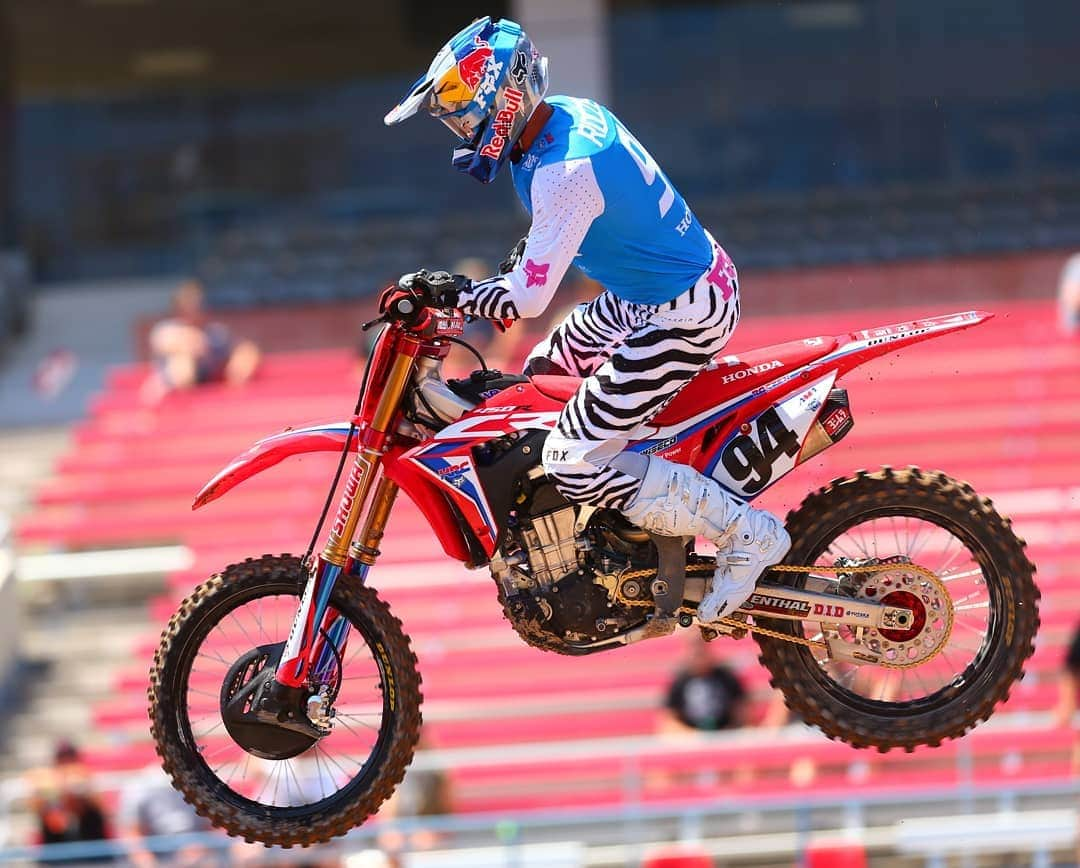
x: 535, y: 274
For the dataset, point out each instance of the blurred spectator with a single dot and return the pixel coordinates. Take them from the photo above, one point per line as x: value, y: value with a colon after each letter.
x: 150, y: 807
x: 1069, y: 683
x: 705, y: 695
x: 54, y: 372
x: 61, y: 798
x: 421, y: 793
x: 1069, y: 296
x: 1068, y: 689
x: 189, y: 349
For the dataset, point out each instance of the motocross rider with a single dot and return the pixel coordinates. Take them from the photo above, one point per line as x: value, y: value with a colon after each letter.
x: 671, y: 300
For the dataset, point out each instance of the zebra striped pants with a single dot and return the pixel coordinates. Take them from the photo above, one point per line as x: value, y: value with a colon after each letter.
x: 634, y: 358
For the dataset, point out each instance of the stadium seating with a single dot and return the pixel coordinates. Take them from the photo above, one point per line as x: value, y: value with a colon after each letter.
x: 325, y: 260
x: 996, y: 406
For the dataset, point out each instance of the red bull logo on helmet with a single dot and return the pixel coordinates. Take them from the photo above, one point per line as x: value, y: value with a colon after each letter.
x: 503, y: 124
x: 471, y: 66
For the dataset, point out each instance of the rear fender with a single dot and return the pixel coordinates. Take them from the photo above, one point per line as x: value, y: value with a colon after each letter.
x: 861, y: 346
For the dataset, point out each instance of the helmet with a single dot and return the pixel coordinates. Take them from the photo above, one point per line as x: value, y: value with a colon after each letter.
x: 484, y: 84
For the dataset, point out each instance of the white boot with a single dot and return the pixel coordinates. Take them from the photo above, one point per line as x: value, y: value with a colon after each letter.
x: 676, y: 500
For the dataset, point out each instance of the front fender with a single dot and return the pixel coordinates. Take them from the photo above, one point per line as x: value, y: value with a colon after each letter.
x: 324, y: 437
x: 330, y: 437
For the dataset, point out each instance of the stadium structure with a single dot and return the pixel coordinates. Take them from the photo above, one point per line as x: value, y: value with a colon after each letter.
x: 863, y: 161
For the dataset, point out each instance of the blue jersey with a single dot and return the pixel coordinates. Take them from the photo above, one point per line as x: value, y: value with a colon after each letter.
x: 645, y: 246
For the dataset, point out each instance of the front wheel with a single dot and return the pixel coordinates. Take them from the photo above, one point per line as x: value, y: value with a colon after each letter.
x: 228, y: 631
x: 975, y: 617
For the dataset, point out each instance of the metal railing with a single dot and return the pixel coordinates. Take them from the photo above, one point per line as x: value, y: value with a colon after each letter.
x: 910, y: 820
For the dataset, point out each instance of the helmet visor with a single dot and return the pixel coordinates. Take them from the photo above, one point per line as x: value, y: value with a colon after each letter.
x: 421, y: 94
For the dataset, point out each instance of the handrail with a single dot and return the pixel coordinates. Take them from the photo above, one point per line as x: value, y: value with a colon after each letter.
x: 613, y: 747
x: 507, y: 829
x: 624, y: 754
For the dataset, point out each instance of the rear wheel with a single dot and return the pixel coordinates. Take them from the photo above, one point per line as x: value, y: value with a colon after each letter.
x: 282, y: 788
x: 975, y: 618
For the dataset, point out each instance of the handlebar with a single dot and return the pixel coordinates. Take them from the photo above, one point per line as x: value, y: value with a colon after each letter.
x: 416, y: 299
x: 431, y: 322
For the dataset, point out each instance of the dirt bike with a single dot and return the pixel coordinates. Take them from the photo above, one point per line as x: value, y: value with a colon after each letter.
x: 289, y: 721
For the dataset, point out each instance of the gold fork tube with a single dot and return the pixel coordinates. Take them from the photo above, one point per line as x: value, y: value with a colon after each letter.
x: 366, y: 467
x: 357, y: 486
x: 366, y: 548
x: 396, y: 381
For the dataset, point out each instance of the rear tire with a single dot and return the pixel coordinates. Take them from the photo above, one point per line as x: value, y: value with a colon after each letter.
x: 183, y: 760
x: 1012, y: 603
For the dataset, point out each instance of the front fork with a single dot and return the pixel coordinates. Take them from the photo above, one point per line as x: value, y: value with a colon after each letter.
x: 319, y: 633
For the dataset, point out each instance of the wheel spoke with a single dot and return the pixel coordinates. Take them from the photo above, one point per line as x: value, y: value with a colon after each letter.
x: 862, y: 548
x: 967, y: 574
x: 337, y: 765
x: 214, y: 656
x: 266, y: 783
x: 199, y: 692
x: 217, y: 769
x: 319, y: 770
x: 836, y: 547
x: 277, y: 783
x: 243, y: 629
x: 883, y: 684
x: 258, y: 621
x: 918, y: 676
x: 947, y: 564
x: 354, y: 731
x: 201, y: 736
x: 227, y: 746
x: 963, y: 623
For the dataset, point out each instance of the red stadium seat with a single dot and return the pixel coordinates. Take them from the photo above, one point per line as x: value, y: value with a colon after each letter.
x: 685, y: 856
x: 835, y: 854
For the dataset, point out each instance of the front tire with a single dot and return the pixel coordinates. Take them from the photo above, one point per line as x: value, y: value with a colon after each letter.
x: 842, y: 703
x: 190, y: 753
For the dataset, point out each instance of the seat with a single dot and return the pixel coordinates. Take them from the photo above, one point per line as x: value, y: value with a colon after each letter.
x: 556, y: 387
x: 725, y: 378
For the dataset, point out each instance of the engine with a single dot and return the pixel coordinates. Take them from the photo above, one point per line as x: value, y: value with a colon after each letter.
x: 563, y: 571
